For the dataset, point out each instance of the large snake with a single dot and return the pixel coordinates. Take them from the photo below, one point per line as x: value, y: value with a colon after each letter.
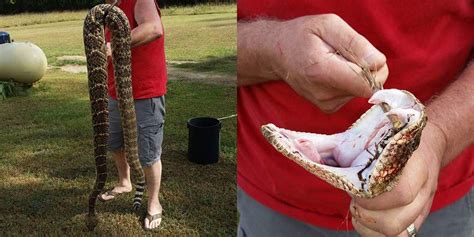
x: 95, y: 49
x: 368, y: 158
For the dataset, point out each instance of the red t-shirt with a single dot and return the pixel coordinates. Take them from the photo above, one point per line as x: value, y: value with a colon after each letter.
x: 427, y: 44
x: 148, y: 63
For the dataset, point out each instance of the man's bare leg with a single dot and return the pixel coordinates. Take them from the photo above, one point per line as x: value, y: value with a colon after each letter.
x: 124, y: 185
x: 153, y: 181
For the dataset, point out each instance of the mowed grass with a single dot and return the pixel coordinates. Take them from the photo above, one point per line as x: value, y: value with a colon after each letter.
x: 207, y: 40
x: 46, y: 160
x: 24, y: 19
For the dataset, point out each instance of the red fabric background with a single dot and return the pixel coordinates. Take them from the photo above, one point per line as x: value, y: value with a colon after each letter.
x: 427, y: 44
x: 149, y: 74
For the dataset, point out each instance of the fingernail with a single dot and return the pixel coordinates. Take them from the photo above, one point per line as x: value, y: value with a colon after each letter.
x: 370, y: 57
x: 374, y: 59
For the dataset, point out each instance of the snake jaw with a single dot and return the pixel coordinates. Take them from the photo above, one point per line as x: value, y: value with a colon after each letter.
x: 367, y: 159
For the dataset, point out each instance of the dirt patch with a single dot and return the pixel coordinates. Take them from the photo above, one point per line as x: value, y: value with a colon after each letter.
x: 71, y: 65
x: 74, y: 68
x: 180, y: 74
x: 174, y: 73
x: 175, y: 62
x: 76, y: 58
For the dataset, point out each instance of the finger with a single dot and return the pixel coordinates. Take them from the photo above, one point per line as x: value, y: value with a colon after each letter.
x: 363, y: 230
x: 328, y: 106
x: 353, y: 46
x: 336, y: 72
x: 412, y: 179
x: 340, y: 75
x: 419, y: 220
x: 381, y: 76
x: 393, y: 221
x: 333, y: 105
x: 424, y: 214
x: 369, y: 80
x: 328, y: 99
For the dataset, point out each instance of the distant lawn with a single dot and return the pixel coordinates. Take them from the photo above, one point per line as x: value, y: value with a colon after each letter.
x: 206, y: 38
x: 24, y: 19
x: 46, y: 161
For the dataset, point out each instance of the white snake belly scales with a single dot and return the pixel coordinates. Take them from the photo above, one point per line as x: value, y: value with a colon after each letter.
x: 100, y: 16
x: 368, y: 158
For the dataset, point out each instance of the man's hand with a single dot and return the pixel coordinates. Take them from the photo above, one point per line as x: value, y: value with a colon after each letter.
x: 391, y: 213
x: 108, y: 50
x: 318, y: 56
x: 448, y: 132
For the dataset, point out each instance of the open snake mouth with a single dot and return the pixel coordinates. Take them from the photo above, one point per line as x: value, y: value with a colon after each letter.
x: 366, y: 159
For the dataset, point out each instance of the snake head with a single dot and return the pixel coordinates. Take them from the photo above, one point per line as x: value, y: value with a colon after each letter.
x: 365, y: 160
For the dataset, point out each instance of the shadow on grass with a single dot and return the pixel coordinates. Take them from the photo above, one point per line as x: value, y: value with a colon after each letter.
x: 223, y: 65
x: 222, y: 24
x: 219, y: 19
x: 50, y: 208
x: 47, y: 168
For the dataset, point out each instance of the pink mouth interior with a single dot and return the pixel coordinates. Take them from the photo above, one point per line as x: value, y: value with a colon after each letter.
x: 351, y: 148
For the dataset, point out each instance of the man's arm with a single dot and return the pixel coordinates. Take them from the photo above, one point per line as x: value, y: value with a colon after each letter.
x: 255, y: 59
x: 453, y: 113
x: 149, y: 23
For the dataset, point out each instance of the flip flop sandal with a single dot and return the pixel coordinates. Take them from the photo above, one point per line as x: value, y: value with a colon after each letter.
x: 156, y: 217
x: 110, y: 193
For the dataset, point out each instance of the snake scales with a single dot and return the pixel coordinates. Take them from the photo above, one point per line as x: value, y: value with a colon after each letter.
x: 368, y: 158
x: 95, y: 50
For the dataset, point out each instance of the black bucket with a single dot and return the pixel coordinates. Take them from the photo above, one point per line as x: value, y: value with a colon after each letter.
x: 204, y: 140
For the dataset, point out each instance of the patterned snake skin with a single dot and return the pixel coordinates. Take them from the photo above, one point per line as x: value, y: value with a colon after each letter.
x: 94, y: 43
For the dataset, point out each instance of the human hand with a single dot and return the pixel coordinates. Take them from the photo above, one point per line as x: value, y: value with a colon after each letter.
x: 321, y: 57
x: 108, y: 50
x: 410, y: 201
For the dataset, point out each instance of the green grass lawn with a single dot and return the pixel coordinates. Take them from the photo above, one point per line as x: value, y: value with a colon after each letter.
x: 46, y: 162
x: 204, y: 33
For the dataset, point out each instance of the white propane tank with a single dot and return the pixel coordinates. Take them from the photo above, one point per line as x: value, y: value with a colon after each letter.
x: 22, y: 62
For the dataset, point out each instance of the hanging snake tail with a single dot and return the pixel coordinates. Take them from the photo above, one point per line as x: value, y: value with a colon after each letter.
x: 137, y: 200
x: 121, y: 33
x: 95, y: 49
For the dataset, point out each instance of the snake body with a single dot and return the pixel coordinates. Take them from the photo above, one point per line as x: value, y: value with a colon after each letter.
x: 95, y: 50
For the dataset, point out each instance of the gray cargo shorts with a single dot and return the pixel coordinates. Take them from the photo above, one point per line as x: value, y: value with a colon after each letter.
x: 150, y: 121
x: 457, y: 220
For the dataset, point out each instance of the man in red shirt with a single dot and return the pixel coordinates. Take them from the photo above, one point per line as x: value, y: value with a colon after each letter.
x: 149, y: 87
x: 294, y: 70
